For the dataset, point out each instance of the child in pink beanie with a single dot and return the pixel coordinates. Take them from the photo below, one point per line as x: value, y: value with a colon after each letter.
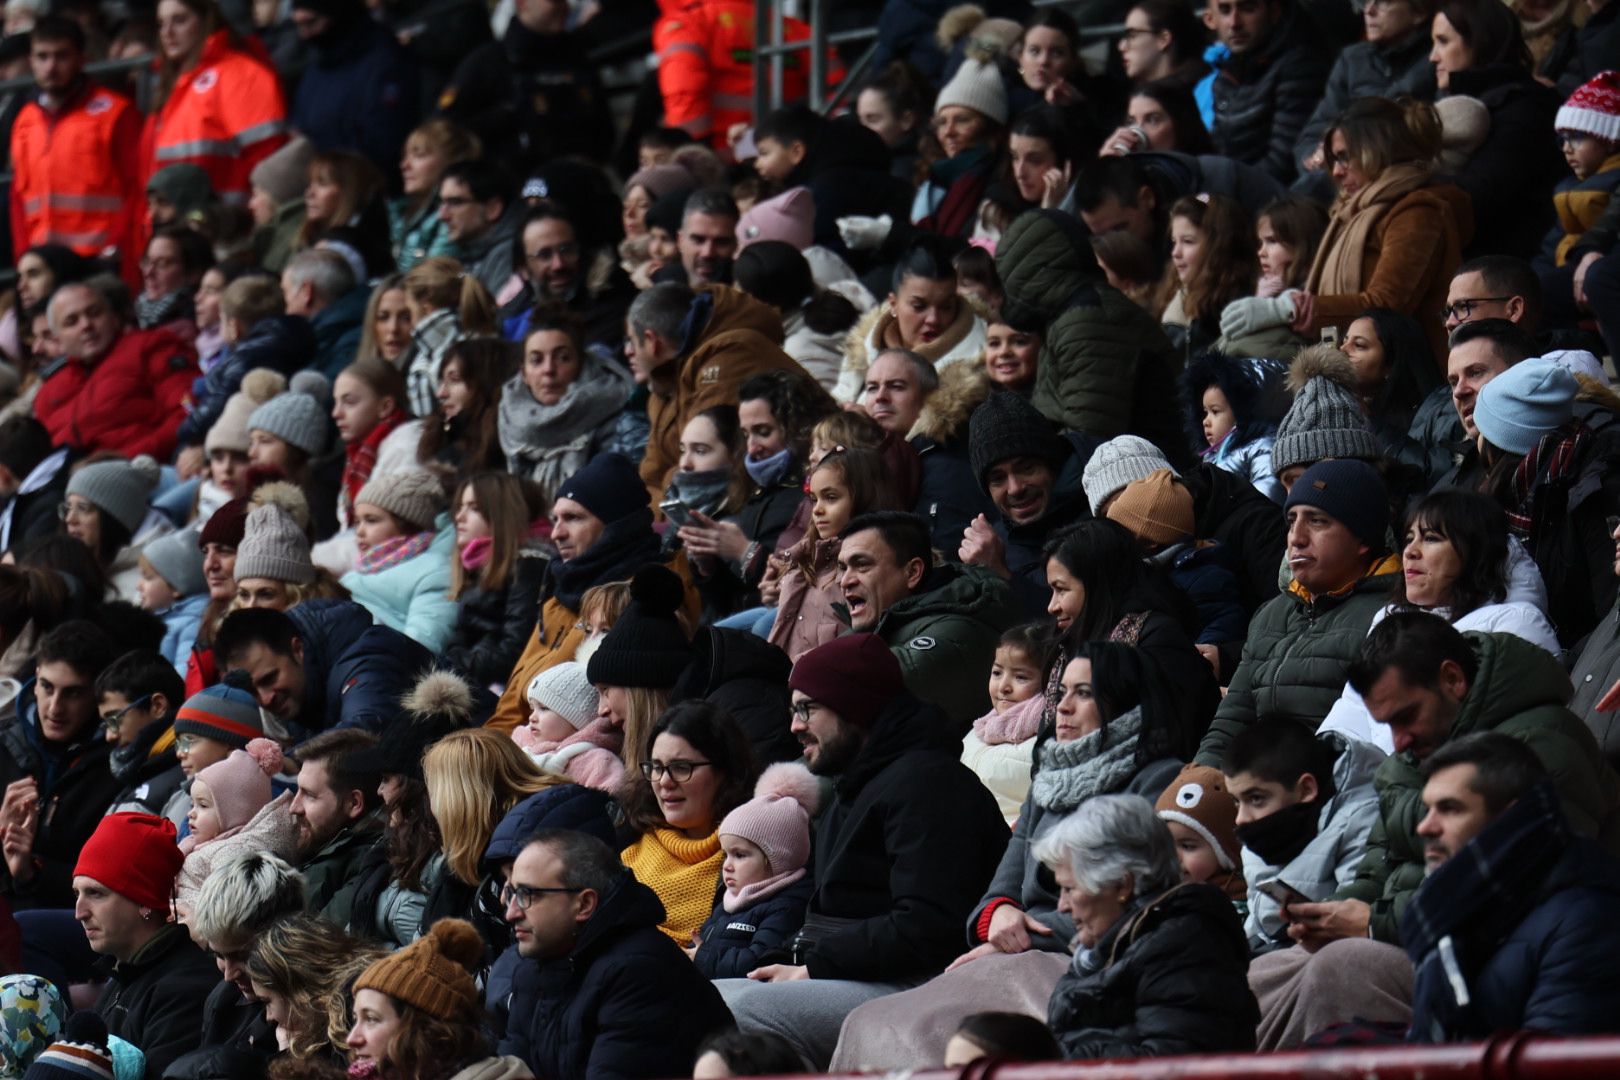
x: 232, y: 813
x: 766, y: 843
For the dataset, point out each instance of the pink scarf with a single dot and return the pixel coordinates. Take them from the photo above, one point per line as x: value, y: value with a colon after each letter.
x: 737, y: 900
x: 1016, y: 725
x: 476, y: 552
x: 393, y: 551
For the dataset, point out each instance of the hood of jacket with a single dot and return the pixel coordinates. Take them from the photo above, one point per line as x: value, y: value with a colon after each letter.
x: 1514, y: 677
x: 906, y: 725
x: 963, y: 387
x: 565, y: 806
x: 719, y: 309
x: 327, y: 628
x: 282, y: 342
x: 956, y: 591
x: 723, y: 656
x: 628, y: 906
x: 1198, y: 900
x: 1044, y: 259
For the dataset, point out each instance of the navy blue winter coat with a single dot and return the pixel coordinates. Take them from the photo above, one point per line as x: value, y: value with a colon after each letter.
x: 354, y: 672
x: 1523, y: 919
x: 337, y: 332
x: 567, y: 806
x: 624, y: 1002
x: 361, y: 92
x: 733, y: 943
x: 282, y: 343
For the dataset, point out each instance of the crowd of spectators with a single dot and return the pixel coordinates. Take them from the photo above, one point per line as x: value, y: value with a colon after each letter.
x: 1123, y: 529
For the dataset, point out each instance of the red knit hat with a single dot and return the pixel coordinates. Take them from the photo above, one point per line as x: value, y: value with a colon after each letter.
x: 1594, y: 108
x: 856, y: 676
x: 134, y: 855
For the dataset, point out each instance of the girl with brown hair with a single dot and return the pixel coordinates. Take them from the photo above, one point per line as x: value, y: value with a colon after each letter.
x: 1212, y: 263
x: 495, y: 576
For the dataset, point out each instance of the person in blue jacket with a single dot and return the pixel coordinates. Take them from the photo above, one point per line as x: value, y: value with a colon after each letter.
x: 361, y: 90
x: 323, y: 665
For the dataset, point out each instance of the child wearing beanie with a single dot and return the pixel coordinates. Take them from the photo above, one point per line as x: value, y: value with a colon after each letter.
x: 211, y: 723
x: 290, y: 429
x: 766, y: 842
x: 1588, y: 127
x: 1158, y: 510
x: 226, y: 442
x: 1230, y: 406
x: 173, y: 588
x: 431, y: 979
x: 232, y: 813
x: 1202, y: 816
x: 403, y: 573
x: 564, y: 736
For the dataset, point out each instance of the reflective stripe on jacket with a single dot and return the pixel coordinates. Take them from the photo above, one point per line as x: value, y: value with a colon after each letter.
x: 75, y: 173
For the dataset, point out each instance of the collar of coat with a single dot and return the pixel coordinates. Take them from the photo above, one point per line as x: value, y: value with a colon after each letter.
x: 1389, y: 564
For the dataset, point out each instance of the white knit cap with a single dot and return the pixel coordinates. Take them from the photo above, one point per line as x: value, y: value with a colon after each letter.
x: 566, y: 691
x: 977, y: 86
x: 1594, y: 108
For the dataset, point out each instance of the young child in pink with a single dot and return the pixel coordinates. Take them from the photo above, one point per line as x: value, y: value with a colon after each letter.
x: 564, y: 736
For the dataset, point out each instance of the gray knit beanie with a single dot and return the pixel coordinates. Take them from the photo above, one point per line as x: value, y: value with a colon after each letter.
x: 230, y: 431
x: 415, y: 496
x: 1326, y: 419
x: 977, y: 86
x: 1122, y: 460
x: 285, y: 174
x: 120, y: 489
x: 177, y: 559
x: 297, y: 417
x: 274, y: 547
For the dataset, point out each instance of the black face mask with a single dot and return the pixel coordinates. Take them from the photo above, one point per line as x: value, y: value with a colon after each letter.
x: 1279, y: 837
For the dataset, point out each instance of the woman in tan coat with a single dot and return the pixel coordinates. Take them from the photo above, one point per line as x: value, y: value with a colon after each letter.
x: 1396, y: 233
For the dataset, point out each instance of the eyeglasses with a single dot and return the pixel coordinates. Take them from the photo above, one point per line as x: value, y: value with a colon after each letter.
x: 115, y: 720
x: 162, y: 262
x: 521, y: 896
x: 1464, y: 309
x: 560, y: 251
x: 679, y: 771
x: 1131, y: 33
x: 185, y: 743
x: 65, y: 510
x: 802, y: 709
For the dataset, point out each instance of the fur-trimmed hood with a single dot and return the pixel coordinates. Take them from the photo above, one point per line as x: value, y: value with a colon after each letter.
x: 962, y: 388
x: 861, y: 344
x: 1321, y: 361
x: 1254, y: 388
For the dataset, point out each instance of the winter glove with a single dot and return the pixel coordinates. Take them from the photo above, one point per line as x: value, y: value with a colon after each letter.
x: 1254, y: 313
x: 864, y: 233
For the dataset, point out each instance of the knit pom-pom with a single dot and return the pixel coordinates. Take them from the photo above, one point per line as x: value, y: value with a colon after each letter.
x: 657, y: 590
x: 790, y: 780
x: 956, y: 23
x: 1321, y: 361
x: 86, y: 1028
x: 262, y: 384
x: 238, y: 679
x: 267, y: 753
x: 147, y: 468
x: 440, y: 693
x: 311, y: 383
x: 288, y: 497
x: 460, y: 941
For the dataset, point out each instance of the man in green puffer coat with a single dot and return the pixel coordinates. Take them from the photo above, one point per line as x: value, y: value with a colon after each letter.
x: 941, y: 622
x: 1106, y: 366
x: 1300, y: 644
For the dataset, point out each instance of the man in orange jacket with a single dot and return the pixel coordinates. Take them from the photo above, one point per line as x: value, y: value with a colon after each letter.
x: 75, y: 153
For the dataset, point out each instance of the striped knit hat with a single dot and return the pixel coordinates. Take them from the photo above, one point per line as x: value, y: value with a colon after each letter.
x: 81, y: 1054
x: 1594, y: 108
x: 227, y: 713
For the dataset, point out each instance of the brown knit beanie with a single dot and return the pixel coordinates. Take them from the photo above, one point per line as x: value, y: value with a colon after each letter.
x: 1198, y: 799
x: 1158, y: 509
x: 434, y: 972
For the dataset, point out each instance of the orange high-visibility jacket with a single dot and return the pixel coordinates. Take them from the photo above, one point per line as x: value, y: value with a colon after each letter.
x: 227, y: 114
x: 705, y: 65
x: 76, y: 174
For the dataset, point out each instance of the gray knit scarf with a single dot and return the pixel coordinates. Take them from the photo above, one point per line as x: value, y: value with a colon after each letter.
x: 1073, y: 772
x: 549, y: 443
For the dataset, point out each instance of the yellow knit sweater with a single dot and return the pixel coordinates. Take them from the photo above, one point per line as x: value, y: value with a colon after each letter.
x: 682, y: 872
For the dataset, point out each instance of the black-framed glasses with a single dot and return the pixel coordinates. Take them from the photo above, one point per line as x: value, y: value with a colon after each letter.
x: 1464, y: 309
x: 115, y: 720
x: 546, y: 254
x: 521, y: 896
x: 1131, y: 33
x: 802, y: 710
x: 679, y: 771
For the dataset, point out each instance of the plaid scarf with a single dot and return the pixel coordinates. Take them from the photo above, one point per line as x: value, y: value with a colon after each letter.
x: 393, y: 551
x: 361, y: 457
x: 1542, y: 481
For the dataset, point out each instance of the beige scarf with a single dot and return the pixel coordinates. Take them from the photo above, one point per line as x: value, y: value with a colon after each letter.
x: 1342, y: 254
x: 888, y: 334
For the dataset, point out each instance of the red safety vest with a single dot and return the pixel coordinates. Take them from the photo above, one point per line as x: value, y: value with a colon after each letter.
x: 75, y: 174
x: 226, y: 114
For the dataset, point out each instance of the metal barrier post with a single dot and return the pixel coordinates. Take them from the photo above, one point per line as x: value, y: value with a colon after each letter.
x: 761, y: 26
x: 818, y: 55
x: 778, y: 57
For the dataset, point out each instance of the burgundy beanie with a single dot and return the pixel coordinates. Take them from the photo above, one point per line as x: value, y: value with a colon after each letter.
x: 856, y: 676
x: 134, y: 855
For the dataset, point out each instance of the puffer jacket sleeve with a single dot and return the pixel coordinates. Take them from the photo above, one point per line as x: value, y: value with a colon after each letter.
x: 1237, y: 708
x: 1087, y: 376
x: 1391, y: 870
x: 488, y: 658
x: 644, y: 1025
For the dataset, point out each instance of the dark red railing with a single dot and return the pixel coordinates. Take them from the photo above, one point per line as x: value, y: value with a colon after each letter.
x: 1510, y: 1057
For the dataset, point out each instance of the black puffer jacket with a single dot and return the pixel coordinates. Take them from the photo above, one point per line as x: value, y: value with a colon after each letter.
x: 624, y: 1002
x: 1263, y: 99
x: 904, y: 851
x: 1367, y: 69
x: 747, y: 677
x: 282, y: 343
x: 493, y: 624
x: 154, y: 999
x: 1169, y: 978
x: 736, y: 942
x: 1510, y: 178
x: 1249, y: 526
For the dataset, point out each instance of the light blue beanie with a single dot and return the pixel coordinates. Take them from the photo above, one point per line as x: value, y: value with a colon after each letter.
x: 1525, y: 402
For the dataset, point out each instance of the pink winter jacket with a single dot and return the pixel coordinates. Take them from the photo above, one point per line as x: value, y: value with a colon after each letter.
x: 804, y: 612
x: 590, y: 756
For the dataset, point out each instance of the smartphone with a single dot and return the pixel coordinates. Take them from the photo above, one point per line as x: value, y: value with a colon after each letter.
x: 679, y: 514
x: 1284, y: 893
x: 1330, y: 336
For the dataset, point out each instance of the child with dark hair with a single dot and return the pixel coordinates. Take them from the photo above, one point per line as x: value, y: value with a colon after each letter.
x: 1002, y: 1035
x: 1230, y: 407
x: 138, y: 696
x: 1000, y: 748
x: 746, y: 1053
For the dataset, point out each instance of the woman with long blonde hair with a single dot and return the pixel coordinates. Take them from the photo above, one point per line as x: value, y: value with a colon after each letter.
x: 386, y: 332
x: 473, y: 778
x: 413, y: 219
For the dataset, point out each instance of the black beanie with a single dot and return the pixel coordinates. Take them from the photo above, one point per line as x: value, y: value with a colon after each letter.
x: 1349, y: 491
x: 647, y: 646
x: 1007, y: 426
x: 609, y: 487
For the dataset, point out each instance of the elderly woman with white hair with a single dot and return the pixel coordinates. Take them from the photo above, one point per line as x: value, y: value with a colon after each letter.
x: 1160, y: 967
